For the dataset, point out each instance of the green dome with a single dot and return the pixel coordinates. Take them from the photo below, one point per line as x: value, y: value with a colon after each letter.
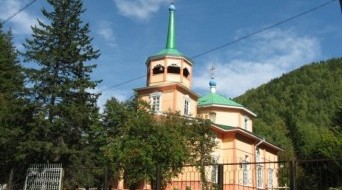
x: 216, y: 99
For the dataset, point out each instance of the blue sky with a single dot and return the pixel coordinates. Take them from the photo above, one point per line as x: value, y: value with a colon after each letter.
x: 128, y: 31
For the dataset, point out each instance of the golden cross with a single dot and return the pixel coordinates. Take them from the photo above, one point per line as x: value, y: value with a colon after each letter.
x: 212, y: 70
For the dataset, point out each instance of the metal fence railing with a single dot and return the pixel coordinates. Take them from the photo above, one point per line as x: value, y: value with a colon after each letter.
x: 293, y: 175
x: 324, y: 174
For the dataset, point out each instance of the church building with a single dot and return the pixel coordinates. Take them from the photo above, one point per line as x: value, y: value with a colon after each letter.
x: 169, y: 88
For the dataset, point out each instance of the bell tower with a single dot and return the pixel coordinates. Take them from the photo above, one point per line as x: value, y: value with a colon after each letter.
x: 169, y: 77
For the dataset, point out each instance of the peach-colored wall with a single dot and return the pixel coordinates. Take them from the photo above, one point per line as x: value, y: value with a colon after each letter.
x: 180, y: 99
x: 232, y: 149
x: 167, y: 101
x: 233, y: 117
x: 173, y: 100
x: 234, y: 172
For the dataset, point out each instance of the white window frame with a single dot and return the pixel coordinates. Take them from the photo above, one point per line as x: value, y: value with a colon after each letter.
x: 155, y: 98
x: 245, y: 173
x: 270, y: 178
x: 259, y: 169
x: 246, y: 122
x: 214, y: 168
x: 259, y: 176
x: 186, y: 105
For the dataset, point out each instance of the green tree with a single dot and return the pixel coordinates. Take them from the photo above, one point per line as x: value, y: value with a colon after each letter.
x: 337, y: 120
x: 295, y: 109
x: 202, y: 141
x: 65, y: 114
x: 140, y: 144
x: 13, y: 107
x: 295, y: 112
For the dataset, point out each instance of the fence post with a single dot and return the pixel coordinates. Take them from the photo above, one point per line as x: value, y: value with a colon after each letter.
x: 220, y: 177
x: 293, y: 172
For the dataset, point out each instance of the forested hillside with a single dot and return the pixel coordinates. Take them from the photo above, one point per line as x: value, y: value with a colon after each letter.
x: 301, y: 111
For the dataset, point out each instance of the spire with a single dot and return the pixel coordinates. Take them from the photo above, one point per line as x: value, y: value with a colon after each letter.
x: 170, y: 48
x: 171, y: 36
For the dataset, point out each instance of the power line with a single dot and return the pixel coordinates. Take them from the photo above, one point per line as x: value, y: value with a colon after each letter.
x: 128, y: 81
x: 20, y: 10
x: 264, y: 29
x: 239, y: 39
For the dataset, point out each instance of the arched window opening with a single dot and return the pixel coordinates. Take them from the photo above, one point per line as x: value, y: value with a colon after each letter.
x: 158, y: 69
x: 186, y: 72
x: 173, y: 69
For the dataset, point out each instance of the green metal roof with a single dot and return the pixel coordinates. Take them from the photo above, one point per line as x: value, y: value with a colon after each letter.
x: 216, y: 99
x: 224, y: 127
x: 170, y: 52
x: 227, y: 128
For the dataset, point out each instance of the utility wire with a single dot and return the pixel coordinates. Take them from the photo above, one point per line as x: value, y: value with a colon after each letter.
x: 128, y: 81
x: 20, y: 10
x: 264, y: 29
x: 206, y: 52
x: 239, y: 39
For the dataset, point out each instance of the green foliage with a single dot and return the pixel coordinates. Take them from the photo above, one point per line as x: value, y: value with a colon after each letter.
x: 13, y: 107
x: 202, y: 141
x: 139, y: 142
x: 337, y: 120
x: 301, y: 112
x: 65, y: 116
x: 295, y: 111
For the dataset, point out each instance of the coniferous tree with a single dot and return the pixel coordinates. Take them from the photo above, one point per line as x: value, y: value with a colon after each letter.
x: 60, y: 84
x: 12, y: 104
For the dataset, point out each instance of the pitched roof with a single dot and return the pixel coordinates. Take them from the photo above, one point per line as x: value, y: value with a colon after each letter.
x: 170, y: 51
x: 226, y: 128
x: 216, y: 99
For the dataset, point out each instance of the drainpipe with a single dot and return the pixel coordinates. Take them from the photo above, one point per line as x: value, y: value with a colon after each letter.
x: 262, y: 140
x: 255, y: 160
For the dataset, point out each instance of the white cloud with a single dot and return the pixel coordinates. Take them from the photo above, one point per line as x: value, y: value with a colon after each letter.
x: 106, y: 32
x: 22, y: 21
x: 271, y: 54
x: 139, y: 9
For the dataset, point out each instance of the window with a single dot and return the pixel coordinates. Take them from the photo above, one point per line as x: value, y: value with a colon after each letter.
x: 212, y: 116
x: 156, y: 102
x: 186, y: 105
x: 259, y: 176
x: 246, y: 123
x: 245, y: 172
x: 270, y: 178
x: 214, y: 168
x: 259, y: 168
